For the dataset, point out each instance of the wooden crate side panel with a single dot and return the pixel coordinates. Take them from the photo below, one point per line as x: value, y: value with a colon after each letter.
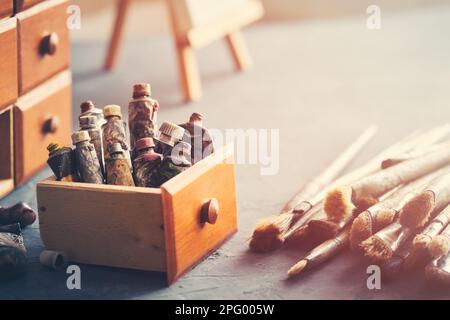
x: 187, y: 240
x: 103, y: 226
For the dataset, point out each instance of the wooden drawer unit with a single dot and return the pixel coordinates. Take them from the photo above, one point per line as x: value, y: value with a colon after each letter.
x: 6, y: 8
x: 44, y: 47
x: 8, y: 62
x: 41, y: 116
x: 25, y: 4
x: 168, y: 229
x: 6, y: 152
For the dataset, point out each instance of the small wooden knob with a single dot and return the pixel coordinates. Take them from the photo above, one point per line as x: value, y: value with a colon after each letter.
x: 49, y: 44
x: 51, y: 125
x: 210, y: 211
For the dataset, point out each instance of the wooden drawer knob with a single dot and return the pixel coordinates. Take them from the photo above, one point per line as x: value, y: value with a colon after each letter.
x: 49, y: 44
x: 210, y: 211
x: 51, y: 125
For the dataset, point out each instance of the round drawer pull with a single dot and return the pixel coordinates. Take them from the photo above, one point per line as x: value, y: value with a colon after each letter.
x: 51, y: 125
x: 210, y: 211
x: 49, y: 44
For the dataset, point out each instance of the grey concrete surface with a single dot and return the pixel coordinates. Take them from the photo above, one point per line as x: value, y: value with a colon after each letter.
x: 321, y: 83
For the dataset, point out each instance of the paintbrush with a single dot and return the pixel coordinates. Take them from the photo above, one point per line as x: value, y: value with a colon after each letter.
x: 340, y: 202
x: 268, y: 232
x: 386, y: 211
x: 440, y: 245
x: 321, y: 253
x: 417, y: 211
x: 382, y: 245
x: 329, y: 229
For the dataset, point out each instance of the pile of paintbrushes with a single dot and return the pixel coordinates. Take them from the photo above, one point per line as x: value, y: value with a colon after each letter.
x: 395, y: 209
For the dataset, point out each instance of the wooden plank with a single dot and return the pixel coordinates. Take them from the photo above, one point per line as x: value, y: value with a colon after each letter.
x: 6, y: 152
x: 187, y: 239
x: 201, y: 35
x: 8, y: 62
x: 36, y: 64
x: 102, y: 224
x: 49, y: 102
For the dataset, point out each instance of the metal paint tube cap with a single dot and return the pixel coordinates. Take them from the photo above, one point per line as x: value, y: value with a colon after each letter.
x: 80, y: 136
x: 87, y: 106
x: 88, y: 121
x: 144, y: 143
x: 170, y: 131
x: 112, y: 110
x: 115, y: 148
x: 196, y: 117
x: 142, y: 89
x: 53, y: 146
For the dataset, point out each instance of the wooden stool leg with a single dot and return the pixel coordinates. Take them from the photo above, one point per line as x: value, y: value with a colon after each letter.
x: 189, y: 74
x: 239, y: 51
x: 122, y: 7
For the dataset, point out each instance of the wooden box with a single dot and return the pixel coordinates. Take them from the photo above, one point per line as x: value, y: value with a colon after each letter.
x: 167, y: 229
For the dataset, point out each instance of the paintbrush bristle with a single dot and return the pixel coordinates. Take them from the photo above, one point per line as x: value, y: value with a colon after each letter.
x: 439, y: 246
x: 268, y: 232
x: 297, y: 268
x: 385, y: 217
x: 416, y: 212
x: 376, y: 249
x: 360, y: 230
x: 338, y: 204
x: 364, y: 204
x: 421, y: 241
x: 325, y: 228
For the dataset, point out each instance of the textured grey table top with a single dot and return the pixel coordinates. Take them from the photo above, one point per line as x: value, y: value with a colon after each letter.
x: 321, y: 83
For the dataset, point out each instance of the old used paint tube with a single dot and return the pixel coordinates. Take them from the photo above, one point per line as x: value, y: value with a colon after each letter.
x: 142, y: 112
x: 19, y: 213
x: 146, y: 162
x: 114, y: 131
x: 86, y: 158
x: 13, y: 258
x: 89, y: 124
x: 199, y: 138
x: 118, y: 172
x: 169, y: 135
x: 88, y: 109
x: 53, y: 259
x: 173, y: 164
x: 62, y: 162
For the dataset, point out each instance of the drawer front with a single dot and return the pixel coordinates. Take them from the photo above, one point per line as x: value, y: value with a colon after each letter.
x: 25, y: 4
x: 44, y: 48
x: 41, y: 116
x: 188, y: 237
x: 6, y: 8
x: 8, y: 62
x: 6, y: 152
